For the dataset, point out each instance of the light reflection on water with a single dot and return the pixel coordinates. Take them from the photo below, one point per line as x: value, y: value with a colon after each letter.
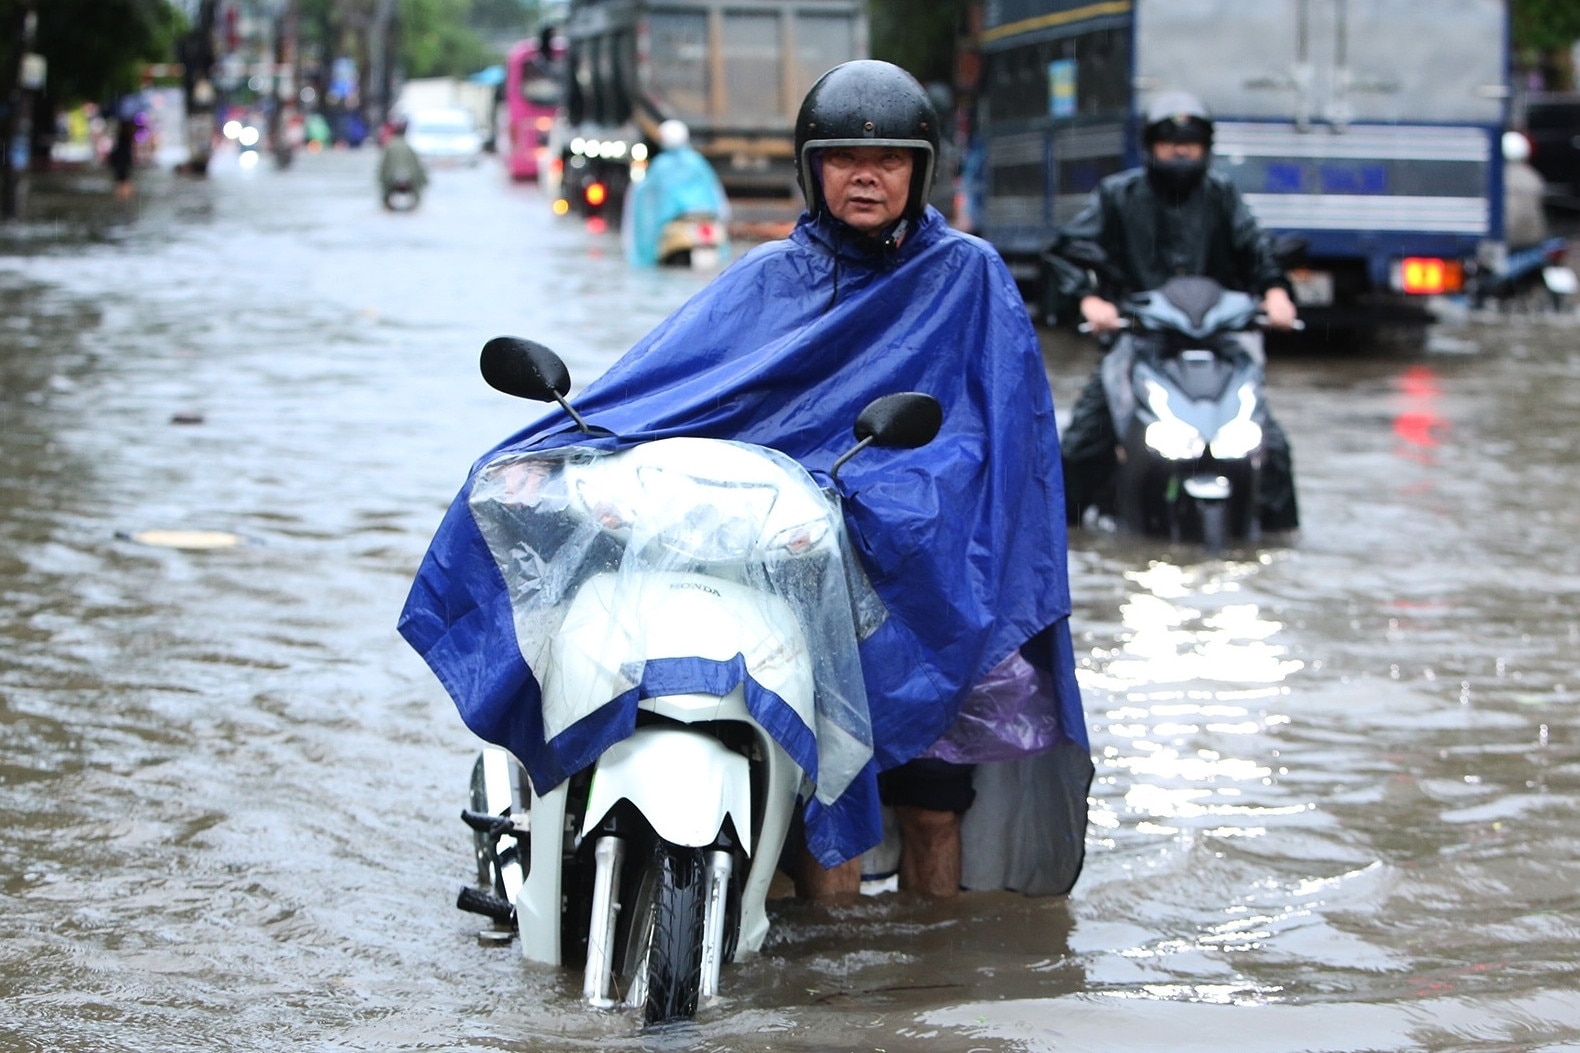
x: 1195, y: 680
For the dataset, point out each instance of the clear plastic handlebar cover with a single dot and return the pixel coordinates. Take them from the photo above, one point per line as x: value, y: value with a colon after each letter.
x: 674, y: 549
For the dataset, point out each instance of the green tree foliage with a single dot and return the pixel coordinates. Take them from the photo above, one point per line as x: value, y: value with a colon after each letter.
x: 918, y: 35
x: 1543, y: 32
x: 437, y: 39
x: 96, y: 48
x: 1545, y: 25
x: 433, y: 38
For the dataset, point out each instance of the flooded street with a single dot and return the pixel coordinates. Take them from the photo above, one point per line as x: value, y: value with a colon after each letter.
x: 1337, y: 803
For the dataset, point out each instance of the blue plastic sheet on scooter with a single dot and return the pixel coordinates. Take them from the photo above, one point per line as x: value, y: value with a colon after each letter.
x: 679, y: 182
x: 963, y: 539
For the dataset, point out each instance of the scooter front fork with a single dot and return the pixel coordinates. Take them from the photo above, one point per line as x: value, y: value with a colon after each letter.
x: 720, y: 865
x: 608, y: 857
x: 608, y: 854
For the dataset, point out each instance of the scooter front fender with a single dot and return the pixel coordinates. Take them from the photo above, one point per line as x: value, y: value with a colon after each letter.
x: 684, y: 783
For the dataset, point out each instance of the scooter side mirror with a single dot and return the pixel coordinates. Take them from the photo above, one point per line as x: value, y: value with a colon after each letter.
x: 525, y: 369
x: 904, y: 420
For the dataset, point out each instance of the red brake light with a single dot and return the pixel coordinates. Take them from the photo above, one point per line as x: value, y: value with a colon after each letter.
x: 1430, y: 276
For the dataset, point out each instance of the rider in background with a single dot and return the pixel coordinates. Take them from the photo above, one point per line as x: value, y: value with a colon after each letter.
x: 399, y: 163
x: 679, y: 182
x: 1173, y: 216
x: 1524, y: 222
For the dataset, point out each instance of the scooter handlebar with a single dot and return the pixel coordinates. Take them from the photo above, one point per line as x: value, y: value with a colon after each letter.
x: 1297, y: 325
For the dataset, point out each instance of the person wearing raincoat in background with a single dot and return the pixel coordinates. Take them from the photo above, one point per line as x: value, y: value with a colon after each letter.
x: 678, y: 182
x: 399, y: 166
x: 969, y: 672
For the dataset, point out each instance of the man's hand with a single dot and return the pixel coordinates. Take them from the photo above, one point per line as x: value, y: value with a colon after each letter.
x: 1279, y: 309
x: 1102, y: 316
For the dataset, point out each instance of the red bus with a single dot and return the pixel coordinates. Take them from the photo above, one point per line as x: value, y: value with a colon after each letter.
x: 533, y: 87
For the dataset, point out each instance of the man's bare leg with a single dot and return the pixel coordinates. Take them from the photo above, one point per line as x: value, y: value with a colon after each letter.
x: 814, y: 881
x: 929, y: 851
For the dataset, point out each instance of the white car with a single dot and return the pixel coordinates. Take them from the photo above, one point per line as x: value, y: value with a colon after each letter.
x: 444, y: 135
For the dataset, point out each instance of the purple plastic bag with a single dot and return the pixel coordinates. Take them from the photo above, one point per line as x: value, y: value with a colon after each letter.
x: 1009, y: 714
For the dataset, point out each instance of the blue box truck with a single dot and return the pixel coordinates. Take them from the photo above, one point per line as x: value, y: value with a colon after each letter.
x: 1369, y: 129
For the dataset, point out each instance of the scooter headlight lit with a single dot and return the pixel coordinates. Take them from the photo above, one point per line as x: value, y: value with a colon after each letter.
x: 1168, y: 436
x: 1240, y: 436
x: 1236, y: 439
x: 1174, y: 440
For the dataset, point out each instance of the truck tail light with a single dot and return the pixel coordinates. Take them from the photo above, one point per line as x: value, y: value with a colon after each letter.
x: 1429, y: 276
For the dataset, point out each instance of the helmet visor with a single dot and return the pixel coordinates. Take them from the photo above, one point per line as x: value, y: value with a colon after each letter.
x: 921, y: 177
x: 1181, y: 128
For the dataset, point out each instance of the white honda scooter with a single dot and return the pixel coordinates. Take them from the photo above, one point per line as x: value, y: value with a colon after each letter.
x: 635, y: 577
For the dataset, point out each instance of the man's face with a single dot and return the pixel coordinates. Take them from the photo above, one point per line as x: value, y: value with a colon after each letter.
x: 1166, y: 151
x: 867, y: 186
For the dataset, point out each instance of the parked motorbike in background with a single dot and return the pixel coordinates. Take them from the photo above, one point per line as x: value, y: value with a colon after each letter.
x: 1522, y: 274
x: 1184, y: 382
x: 649, y: 868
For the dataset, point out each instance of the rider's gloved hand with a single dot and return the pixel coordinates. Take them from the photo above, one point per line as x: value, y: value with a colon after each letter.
x: 1279, y: 308
x: 1100, y: 315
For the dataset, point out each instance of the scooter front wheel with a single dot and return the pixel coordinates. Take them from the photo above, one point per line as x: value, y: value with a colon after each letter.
x: 664, y: 951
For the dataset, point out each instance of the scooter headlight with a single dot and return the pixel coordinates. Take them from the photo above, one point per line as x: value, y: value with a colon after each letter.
x: 1242, y: 435
x: 1168, y: 436
x: 800, y: 539
x: 611, y: 509
x: 1236, y: 439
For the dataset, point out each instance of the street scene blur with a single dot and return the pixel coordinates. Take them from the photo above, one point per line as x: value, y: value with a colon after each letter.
x: 412, y: 641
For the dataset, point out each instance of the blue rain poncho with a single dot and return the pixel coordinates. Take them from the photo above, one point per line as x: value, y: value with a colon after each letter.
x: 678, y: 182
x: 963, y: 540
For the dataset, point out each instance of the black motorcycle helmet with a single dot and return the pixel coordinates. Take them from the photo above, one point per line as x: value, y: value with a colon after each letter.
x: 1176, y: 117
x: 867, y: 103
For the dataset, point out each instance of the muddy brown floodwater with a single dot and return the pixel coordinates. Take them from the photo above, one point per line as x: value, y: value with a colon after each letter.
x: 1337, y: 803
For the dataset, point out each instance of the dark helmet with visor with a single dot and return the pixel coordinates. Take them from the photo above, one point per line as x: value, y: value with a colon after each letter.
x: 867, y: 103
x: 1176, y: 117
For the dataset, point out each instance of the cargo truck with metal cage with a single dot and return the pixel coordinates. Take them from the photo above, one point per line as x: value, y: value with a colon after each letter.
x: 735, y: 72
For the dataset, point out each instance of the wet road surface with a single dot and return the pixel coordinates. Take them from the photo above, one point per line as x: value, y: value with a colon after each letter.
x: 1338, y: 781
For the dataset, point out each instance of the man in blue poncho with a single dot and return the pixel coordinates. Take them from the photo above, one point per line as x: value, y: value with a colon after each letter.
x: 969, y: 676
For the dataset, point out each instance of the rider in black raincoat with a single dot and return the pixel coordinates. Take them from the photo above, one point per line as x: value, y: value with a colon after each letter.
x: 1141, y: 227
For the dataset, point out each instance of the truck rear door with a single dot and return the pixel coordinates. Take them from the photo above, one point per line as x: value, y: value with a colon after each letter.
x: 1329, y: 62
x: 1362, y: 123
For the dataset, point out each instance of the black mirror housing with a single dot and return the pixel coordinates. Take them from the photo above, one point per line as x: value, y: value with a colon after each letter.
x: 904, y: 420
x: 525, y: 369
